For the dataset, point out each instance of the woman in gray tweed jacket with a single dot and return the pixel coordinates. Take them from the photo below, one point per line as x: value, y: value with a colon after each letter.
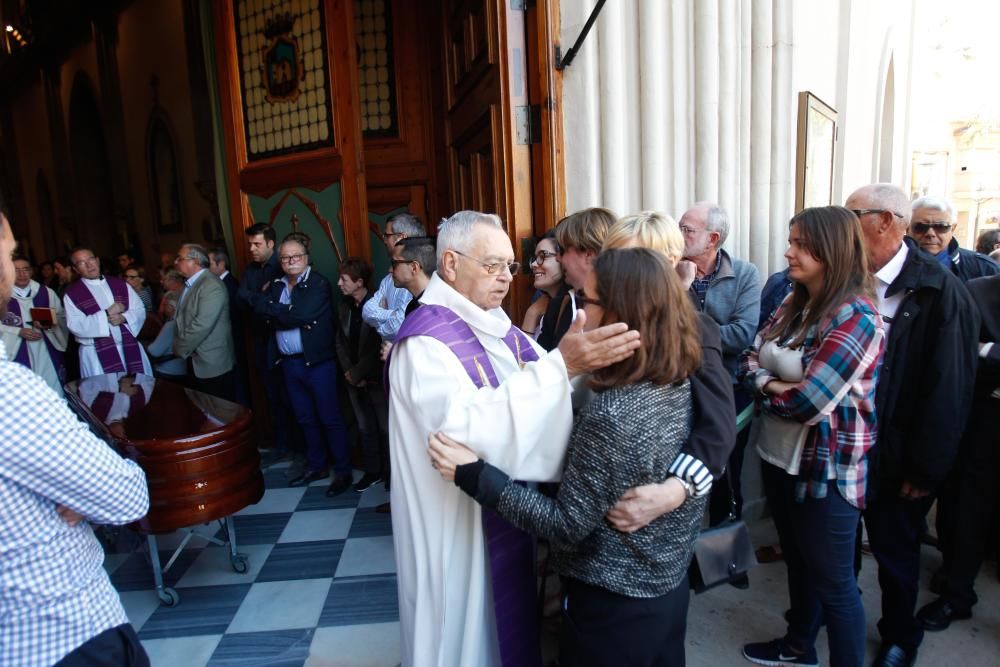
x: 626, y: 594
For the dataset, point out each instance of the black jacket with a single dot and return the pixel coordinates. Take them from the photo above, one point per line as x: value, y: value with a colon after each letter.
x: 363, y: 363
x: 254, y: 292
x: 986, y: 294
x: 926, y: 379
x: 969, y: 264
x: 311, y: 311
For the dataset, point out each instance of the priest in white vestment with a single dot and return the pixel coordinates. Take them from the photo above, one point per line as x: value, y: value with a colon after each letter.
x: 39, y: 340
x: 521, y: 426
x: 112, y: 317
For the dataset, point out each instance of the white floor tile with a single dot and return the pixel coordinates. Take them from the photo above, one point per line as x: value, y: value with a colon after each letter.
x: 212, y: 567
x: 318, y: 525
x: 186, y: 651
x: 276, y: 501
x: 367, y: 555
x: 375, y: 645
x: 171, y: 540
x: 281, y: 605
x: 139, y: 606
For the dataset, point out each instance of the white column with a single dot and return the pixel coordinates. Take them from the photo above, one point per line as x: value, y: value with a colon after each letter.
x: 741, y: 244
x: 683, y: 106
x: 760, y: 133
x: 728, y: 113
x: 612, y: 102
x: 782, y: 136
x: 706, y: 99
x: 656, y: 113
x: 581, y: 113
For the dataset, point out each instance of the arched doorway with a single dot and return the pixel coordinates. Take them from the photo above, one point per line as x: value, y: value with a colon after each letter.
x: 91, y: 170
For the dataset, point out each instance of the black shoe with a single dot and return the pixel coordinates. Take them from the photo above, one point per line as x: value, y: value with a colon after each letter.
x: 938, y: 615
x: 741, y: 582
x: 937, y: 582
x: 367, y: 481
x: 384, y: 508
x: 891, y: 655
x: 309, y: 477
x: 777, y: 653
x: 340, y: 484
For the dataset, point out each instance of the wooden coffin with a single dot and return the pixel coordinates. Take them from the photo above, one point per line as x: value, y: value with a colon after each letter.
x: 197, y: 450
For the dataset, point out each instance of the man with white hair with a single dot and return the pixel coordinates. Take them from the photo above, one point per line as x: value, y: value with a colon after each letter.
x: 932, y: 226
x: 460, y: 367
x: 922, y: 403
x: 727, y: 289
x: 105, y: 315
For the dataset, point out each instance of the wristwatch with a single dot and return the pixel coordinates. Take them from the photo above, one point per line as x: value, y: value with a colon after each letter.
x: 688, y: 486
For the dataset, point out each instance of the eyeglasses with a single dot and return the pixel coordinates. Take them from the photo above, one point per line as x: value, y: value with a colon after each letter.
x: 865, y: 211
x: 541, y: 256
x: 585, y: 300
x: 85, y: 260
x: 397, y: 262
x: 493, y: 267
x: 924, y: 227
x: 26, y: 269
x: 688, y: 231
x: 131, y: 276
x: 291, y: 259
x: 181, y: 258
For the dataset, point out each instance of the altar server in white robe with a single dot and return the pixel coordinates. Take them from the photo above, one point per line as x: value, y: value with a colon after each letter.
x: 36, y: 345
x: 523, y: 425
x: 115, y: 318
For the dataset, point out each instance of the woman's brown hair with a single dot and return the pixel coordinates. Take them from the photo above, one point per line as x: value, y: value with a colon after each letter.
x: 639, y: 287
x: 832, y: 235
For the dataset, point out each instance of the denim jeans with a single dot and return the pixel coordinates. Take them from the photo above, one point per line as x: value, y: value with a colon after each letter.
x: 312, y: 393
x: 817, y: 538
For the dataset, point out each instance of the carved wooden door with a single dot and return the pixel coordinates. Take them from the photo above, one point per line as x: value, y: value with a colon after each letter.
x: 484, y: 85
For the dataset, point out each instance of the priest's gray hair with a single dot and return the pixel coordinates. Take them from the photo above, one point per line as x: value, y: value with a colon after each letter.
x: 456, y: 233
x: 935, y: 204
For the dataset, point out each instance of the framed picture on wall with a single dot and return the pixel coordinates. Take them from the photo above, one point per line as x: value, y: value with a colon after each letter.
x: 815, y: 151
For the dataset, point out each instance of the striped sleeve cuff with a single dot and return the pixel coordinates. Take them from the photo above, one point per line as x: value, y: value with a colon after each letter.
x: 693, y: 471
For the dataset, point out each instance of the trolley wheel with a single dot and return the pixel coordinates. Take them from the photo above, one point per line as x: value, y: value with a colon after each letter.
x: 239, y: 564
x: 169, y: 597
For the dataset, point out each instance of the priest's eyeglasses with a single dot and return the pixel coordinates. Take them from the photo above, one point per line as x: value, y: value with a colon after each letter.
x: 493, y: 268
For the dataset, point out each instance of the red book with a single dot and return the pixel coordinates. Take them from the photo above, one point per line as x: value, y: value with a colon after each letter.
x: 45, y: 317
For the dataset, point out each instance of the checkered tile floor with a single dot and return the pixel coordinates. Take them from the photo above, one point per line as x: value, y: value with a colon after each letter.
x: 320, y: 589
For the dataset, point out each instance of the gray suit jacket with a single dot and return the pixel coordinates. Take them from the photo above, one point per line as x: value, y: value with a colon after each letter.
x: 204, y: 332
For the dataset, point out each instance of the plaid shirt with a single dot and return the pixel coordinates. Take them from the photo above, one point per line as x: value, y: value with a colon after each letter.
x: 841, y: 356
x: 700, y: 285
x: 54, y: 592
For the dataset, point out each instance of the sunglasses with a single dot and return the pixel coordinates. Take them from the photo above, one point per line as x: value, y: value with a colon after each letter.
x: 924, y: 227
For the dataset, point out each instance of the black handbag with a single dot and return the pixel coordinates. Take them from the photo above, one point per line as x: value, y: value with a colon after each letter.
x: 721, y: 553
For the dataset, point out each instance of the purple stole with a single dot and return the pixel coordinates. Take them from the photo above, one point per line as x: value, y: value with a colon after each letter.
x: 41, y: 300
x: 107, y: 350
x: 510, y: 550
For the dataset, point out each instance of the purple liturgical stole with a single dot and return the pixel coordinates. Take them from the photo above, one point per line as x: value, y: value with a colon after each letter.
x: 107, y: 351
x: 510, y: 550
x: 41, y: 300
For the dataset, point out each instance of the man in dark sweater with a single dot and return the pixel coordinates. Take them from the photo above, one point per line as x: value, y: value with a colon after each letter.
x: 928, y: 371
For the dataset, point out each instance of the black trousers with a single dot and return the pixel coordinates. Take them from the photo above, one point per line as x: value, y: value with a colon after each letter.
x: 601, y: 628
x: 117, y: 647
x: 730, y: 487
x: 895, y: 526
x: 221, y: 386
x: 966, y: 502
